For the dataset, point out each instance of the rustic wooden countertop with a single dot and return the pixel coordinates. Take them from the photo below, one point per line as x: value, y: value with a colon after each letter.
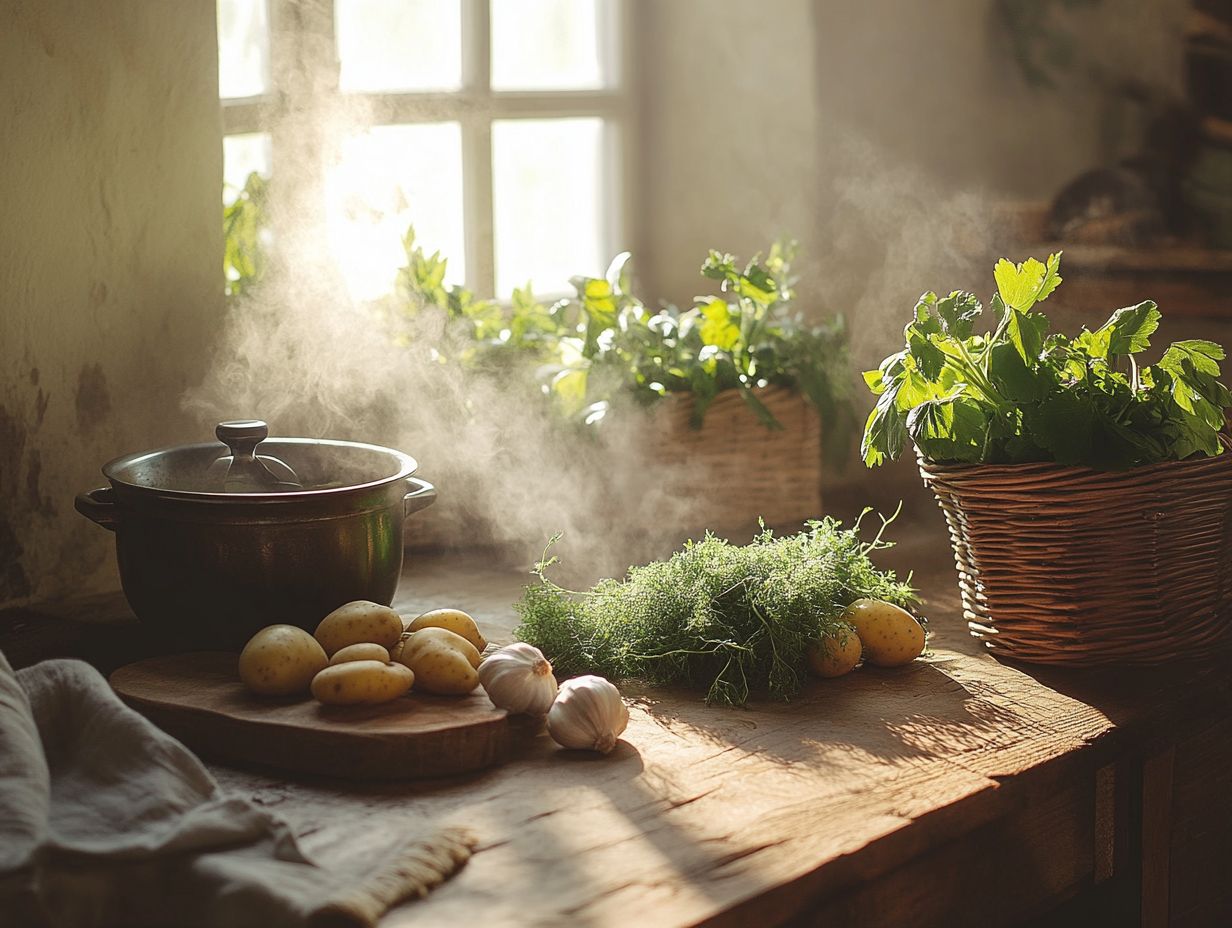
x: 957, y: 790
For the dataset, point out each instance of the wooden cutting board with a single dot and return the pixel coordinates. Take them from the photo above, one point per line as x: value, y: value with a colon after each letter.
x: 199, y: 699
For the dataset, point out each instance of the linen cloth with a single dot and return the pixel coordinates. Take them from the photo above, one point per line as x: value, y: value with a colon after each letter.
x: 105, y: 820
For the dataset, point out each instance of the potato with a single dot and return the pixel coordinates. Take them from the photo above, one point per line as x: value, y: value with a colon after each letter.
x: 364, y: 651
x: 280, y: 660
x: 361, y: 683
x: 443, y: 662
x: 889, y: 636
x: 836, y: 653
x: 359, y: 622
x: 455, y: 620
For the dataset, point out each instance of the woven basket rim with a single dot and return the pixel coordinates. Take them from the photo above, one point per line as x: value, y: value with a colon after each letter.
x: 1071, y: 565
x: 1045, y: 468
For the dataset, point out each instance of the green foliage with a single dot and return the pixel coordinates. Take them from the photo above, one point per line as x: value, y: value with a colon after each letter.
x: 603, y: 341
x: 461, y: 327
x: 747, y: 338
x: 243, y: 224
x: 1021, y: 394
x: 1044, y: 41
x: 732, y: 620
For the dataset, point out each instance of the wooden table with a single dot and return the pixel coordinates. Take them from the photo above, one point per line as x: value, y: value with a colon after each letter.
x: 958, y: 790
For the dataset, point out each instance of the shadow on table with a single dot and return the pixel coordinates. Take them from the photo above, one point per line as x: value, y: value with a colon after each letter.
x: 1139, y: 698
x: 891, y: 716
x: 595, y: 833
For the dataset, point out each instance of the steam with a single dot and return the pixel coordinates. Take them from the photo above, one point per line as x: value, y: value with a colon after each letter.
x: 891, y: 234
x: 510, y: 472
x: 311, y: 360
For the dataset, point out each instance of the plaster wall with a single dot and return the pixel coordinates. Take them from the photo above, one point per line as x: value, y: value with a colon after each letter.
x: 110, y: 254
x: 729, y: 134
x: 877, y: 132
x: 882, y: 135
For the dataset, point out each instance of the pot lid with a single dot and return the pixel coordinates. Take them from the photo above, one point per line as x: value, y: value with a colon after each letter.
x: 243, y: 470
x: 246, y: 462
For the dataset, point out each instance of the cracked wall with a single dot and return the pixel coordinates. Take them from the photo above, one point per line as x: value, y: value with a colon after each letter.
x: 110, y: 254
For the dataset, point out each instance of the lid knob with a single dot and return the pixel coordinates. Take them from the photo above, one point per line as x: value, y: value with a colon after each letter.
x: 242, y: 436
x: 245, y: 471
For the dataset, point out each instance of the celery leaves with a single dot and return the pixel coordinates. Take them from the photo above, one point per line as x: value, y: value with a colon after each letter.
x: 1020, y: 393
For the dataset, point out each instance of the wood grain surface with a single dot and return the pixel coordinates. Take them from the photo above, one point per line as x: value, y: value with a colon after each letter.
x: 959, y: 790
x: 779, y: 813
x: 198, y: 698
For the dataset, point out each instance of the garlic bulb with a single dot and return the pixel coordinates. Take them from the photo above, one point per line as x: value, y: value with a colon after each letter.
x: 588, y: 714
x: 519, y: 678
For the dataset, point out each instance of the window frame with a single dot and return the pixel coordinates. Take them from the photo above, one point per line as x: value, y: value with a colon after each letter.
x: 303, y: 82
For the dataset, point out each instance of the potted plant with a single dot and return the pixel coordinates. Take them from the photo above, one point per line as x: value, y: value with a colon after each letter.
x: 732, y: 391
x: 719, y: 407
x: 1088, y: 495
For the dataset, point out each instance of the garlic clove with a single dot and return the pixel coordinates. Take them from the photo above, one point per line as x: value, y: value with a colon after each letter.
x: 518, y: 678
x: 588, y: 714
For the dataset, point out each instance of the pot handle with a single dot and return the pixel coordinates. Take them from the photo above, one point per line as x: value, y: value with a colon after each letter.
x: 423, y: 496
x: 99, y: 506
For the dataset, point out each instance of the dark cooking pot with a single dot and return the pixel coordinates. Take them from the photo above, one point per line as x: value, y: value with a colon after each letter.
x: 216, y: 540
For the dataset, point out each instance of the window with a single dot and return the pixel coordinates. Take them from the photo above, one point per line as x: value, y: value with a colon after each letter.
x: 494, y: 127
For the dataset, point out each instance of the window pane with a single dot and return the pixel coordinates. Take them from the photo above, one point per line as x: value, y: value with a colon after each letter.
x: 399, y: 44
x: 552, y: 44
x: 388, y: 179
x: 241, y: 155
x: 550, y: 202
x: 243, y: 48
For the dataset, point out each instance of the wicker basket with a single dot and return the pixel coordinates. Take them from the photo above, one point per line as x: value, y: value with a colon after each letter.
x: 767, y: 474
x: 774, y: 475
x: 1065, y: 565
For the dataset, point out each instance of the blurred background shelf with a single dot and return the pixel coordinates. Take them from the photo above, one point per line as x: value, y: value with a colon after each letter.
x: 1186, y: 279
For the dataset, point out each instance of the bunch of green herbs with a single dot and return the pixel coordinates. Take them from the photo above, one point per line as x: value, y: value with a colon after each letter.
x: 748, y: 337
x: 603, y: 343
x: 728, y: 619
x: 1021, y: 393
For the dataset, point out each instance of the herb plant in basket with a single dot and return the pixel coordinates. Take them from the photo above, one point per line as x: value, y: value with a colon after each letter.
x: 710, y: 392
x: 603, y: 343
x: 1088, y: 495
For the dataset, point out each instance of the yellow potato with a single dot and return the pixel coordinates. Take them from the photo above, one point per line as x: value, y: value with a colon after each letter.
x: 365, y: 651
x: 443, y: 637
x: 455, y: 620
x: 361, y: 683
x: 889, y: 636
x: 280, y: 660
x: 443, y: 662
x: 836, y: 653
x: 359, y: 622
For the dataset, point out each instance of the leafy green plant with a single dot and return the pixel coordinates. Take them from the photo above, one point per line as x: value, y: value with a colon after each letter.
x: 476, y: 331
x: 244, y: 229
x: 604, y: 342
x: 1045, y: 50
x: 1021, y: 394
x: 731, y: 620
x: 747, y: 338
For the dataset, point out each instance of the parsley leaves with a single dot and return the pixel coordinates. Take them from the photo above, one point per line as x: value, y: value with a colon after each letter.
x: 1021, y: 393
